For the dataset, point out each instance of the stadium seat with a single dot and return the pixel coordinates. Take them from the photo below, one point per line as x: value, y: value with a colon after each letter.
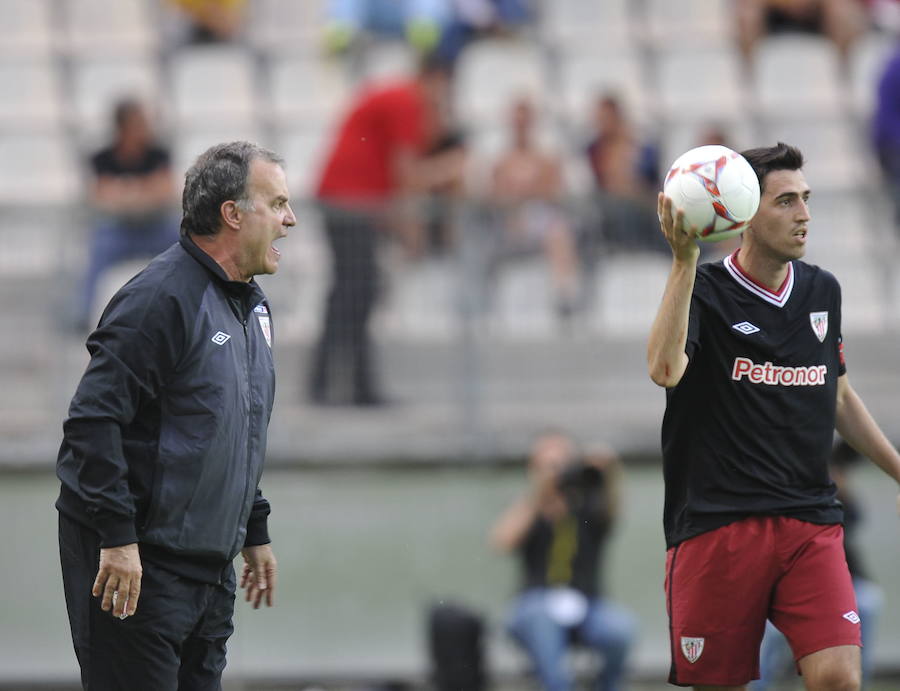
x: 797, y: 76
x: 867, y: 62
x: 97, y: 84
x: 27, y: 31
x: 100, y: 27
x: 306, y: 90
x: 386, y: 60
x: 700, y: 86
x: 589, y: 25
x: 689, y: 25
x: 583, y: 76
x: 304, y: 151
x: 836, y: 158
x: 32, y: 95
x: 286, y: 27
x: 37, y: 169
x: 491, y: 73
x: 214, y: 84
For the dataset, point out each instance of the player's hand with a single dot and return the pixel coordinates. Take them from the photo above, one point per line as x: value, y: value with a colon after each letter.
x: 260, y: 575
x: 118, y: 580
x: 682, y: 239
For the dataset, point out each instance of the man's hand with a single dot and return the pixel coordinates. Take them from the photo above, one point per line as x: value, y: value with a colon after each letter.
x: 119, y: 580
x: 260, y: 574
x: 681, y: 238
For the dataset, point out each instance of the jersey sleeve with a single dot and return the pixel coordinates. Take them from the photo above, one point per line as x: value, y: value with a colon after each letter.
x: 131, y: 351
x: 692, y: 344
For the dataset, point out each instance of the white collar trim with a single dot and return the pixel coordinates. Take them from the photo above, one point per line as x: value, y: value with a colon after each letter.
x: 778, y: 299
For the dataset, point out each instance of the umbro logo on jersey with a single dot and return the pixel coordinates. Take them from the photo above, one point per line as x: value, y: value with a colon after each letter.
x: 851, y: 616
x: 220, y: 337
x: 745, y: 328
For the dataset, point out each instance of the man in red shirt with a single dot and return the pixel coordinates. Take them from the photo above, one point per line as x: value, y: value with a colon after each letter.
x: 374, y: 165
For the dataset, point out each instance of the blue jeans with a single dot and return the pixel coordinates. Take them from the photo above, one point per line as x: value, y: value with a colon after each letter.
x: 607, y: 628
x: 388, y: 17
x: 775, y: 658
x: 114, y: 241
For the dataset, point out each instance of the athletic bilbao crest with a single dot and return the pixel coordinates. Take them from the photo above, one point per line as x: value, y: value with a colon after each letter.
x: 692, y: 648
x: 819, y: 322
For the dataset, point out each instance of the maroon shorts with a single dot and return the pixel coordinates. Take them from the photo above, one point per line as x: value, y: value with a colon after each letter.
x: 722, y: 585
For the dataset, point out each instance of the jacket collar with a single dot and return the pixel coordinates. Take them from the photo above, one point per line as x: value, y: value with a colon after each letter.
x: 237, y: 288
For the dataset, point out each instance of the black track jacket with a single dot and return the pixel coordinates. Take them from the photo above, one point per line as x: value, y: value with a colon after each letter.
x: 166, y: 434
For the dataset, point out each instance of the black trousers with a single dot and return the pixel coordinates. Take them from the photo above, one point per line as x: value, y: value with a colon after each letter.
x: 175, y: 640
x: 342, y: 370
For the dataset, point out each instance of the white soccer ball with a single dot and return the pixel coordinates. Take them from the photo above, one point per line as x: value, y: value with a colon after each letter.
x: 717, y: 190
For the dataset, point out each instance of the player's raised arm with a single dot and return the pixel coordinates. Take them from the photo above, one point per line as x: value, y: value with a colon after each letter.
x: 666, y: 357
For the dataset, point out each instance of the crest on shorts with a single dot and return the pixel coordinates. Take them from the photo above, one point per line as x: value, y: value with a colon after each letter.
x: 692, y: 648
x: 819, y: 322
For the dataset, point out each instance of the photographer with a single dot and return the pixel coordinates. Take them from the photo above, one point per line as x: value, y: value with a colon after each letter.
x: 559, y: 529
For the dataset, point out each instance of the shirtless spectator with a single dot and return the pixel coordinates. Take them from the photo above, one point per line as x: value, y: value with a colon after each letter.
x: 528, y: 191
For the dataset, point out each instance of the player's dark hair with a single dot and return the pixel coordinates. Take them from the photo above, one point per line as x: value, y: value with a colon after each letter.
x: 766, y: 159
x: 219, y: 175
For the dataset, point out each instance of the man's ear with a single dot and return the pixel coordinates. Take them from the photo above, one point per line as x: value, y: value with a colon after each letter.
x: 231, y: 214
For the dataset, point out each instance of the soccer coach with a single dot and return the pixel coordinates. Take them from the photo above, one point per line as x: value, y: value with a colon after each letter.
x: 164, y: 443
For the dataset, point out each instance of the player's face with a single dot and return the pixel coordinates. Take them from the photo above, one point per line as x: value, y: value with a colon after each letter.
x: 267, y: 219
x: 780, y: 225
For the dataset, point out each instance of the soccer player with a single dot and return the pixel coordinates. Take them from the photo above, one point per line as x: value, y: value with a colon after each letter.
x: 749, y: 350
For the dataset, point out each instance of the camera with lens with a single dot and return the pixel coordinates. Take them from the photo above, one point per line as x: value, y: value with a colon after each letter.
x: 582, y: 485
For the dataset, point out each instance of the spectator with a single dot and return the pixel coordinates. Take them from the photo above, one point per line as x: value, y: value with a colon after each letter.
x: 626, y: 173
x: 449, y: 154
x: 528, y: 191
x: 212, y: 21
x: 420, y: 22
x: 132, y: 194
x: 559, y: 528
x: 775, y: 656
x: 375, y: 167
x: 842, y: 21
x: 886, y: 128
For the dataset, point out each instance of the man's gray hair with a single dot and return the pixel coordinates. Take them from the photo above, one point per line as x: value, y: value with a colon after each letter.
x: 220, y: 174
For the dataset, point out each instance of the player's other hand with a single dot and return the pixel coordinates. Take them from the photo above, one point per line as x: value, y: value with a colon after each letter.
x: 260, y: 575
x: 118, y: 580
x: 681, y: 238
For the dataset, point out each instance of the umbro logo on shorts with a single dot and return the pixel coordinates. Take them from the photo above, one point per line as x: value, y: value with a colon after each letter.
x: 745, y: 328
x: 220, y: 337
x: 851, y: 616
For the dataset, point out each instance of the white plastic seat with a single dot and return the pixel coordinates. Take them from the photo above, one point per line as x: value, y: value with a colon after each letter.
x: 586, y: 76
x: 387, y: 60
x: 26, y: 29
x: 32, y: 95
x: 835, y: 158
x: 304, y: 152
x: 282, y: 27
x: 867, y: 63
x: 97, y: 84
x: 37, y: 169
x: 797, y: 76
x: 306, y: 90
x: 689, y: 25
x: 491, y: 73
x: 588, y: 24
x: 700, y: 86
x: 214, y: 84
x: 101, y: 27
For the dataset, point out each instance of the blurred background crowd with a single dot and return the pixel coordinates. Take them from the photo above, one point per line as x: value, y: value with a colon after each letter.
x: 476, y: 259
